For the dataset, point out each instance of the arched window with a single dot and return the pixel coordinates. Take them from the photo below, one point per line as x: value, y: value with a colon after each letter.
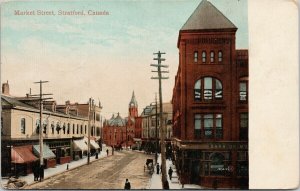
x: 73, y: 129
x: 81, y: 129
x: 243, y: 91
x: 77, y: 129
x: 23, y: 125
x: 212, y: 56
x: 196, y: 56
x: 203, y: 56
x: 212, y: 89
x: 58, y: 128
x: 220, y: 56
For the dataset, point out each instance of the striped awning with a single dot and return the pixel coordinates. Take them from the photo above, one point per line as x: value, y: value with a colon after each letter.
x: 22, y: 154
x: 79, y: 145
x: 47, y: 153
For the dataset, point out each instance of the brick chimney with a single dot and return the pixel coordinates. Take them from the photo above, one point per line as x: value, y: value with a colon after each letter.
x: 5, y: 88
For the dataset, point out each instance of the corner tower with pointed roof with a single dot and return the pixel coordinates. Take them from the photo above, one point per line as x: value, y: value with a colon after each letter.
x: 133, y: 107
x: 210, y: 107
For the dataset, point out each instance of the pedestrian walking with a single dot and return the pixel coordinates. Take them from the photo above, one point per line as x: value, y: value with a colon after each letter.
x: 127, y: 185
x: 170, y: 173
x: 107, y: 152
x: 41, y: 172
x: 35, y: 171
x: 157, y: 168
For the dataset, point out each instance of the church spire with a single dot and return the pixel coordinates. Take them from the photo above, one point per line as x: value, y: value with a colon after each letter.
x: 133, y: 102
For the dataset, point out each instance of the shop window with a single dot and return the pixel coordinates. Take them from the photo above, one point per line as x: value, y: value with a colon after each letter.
x: 197, y: 126
x: 213, y: 89
x: 244, y: 126
x: 203, y: 56
x: 196, y: 56
x: 212, y: 56
x: 242, y: 168
x: 217, y: 164
x: 220, y: 56
x: 23, y: 125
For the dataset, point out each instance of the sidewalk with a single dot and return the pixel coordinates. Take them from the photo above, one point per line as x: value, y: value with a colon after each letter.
x: 60, y: 168
x: 155, y: 181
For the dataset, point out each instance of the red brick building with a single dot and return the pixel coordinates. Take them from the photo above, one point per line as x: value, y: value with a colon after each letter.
x: 121, y: 131
x: 210, y: 101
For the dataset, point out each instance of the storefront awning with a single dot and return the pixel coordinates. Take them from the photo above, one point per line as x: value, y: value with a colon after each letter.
x: 47, y: 153
x: 79, y: 145
x: 93, y: 143
x: 22, y: 154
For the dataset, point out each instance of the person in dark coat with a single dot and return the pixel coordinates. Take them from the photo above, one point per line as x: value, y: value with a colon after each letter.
x: 107, y: 152
x: 157, y: 168
x: 170, y: 172
x: 41, y: 172
x: 127, y: 185
x: 35, y: 171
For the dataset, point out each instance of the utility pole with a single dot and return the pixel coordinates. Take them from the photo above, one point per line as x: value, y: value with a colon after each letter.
x: 89, y: 130
x: 156, y: 133
x: 162, y: 122
x: 41, y: 124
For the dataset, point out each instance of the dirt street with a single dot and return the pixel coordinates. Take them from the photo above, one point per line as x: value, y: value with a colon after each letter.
x: 106, y: 173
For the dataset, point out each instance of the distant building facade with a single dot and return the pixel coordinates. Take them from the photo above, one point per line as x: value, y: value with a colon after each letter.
x: 118, y: 131
x: 151, y: 125
x: 210, y: 101
x: 64, y: 128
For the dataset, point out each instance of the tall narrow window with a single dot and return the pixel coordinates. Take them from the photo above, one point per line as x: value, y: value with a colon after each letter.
x: 58, y: 128
x: 197, y: 126
x: 197, y: 90
x: 77, y: 129
x: 85, y: 129
x: 52, y: 127
x: 81, y: 129
x: 23, y: 125
x: 218, y: 90
x: 244, y: 126
x: 196, y: 56
x: 45, y: 124
x: 73, y: 129
x: 2, y: 133
x: 203, y: 56
x: 208, y: 88
x: 243, y: 91
x: 37, y: 125
x: 219, y: 127
x: 68, y: 130
x: 220, y: 56
x: 212, y: 56
x: 64, y: 128
x: 208, y: 125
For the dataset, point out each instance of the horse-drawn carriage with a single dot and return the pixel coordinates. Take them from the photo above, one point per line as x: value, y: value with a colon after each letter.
x: 150, y: 166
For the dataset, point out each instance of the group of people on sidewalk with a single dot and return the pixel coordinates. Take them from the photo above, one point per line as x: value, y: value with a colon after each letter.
x: 38, y: 172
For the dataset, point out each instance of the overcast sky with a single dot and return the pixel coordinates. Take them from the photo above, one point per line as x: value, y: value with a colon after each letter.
x: 104, y: 57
